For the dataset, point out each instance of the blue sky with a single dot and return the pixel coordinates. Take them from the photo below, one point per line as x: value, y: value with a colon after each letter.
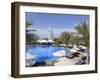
x: 57, y: 22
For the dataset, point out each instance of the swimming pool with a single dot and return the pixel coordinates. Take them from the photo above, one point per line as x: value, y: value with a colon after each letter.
x: 44, y: 52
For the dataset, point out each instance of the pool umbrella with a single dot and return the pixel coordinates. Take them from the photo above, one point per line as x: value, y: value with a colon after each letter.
x: 77, y: 48
x: 60, y: 53
x: 50, y: 41
x: 42, y: 41
x: 83, y: 47
x: 73, y: 50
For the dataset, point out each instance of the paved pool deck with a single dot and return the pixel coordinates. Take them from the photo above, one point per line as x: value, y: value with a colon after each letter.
x: 67, y: 61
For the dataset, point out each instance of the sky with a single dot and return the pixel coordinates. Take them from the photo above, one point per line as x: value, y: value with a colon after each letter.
x: 57, y: 22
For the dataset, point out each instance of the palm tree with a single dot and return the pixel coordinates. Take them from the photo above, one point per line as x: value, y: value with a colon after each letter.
x: 31, y: 37
x: 83, y: 29
x: 75, y: 40
x: 28, y: 24
x: 65, y: 37
x: 57, y: 41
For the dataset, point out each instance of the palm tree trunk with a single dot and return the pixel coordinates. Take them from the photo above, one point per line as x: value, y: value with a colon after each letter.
x: 88, y: 54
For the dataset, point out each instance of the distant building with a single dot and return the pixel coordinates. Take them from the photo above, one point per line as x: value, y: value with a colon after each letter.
x: 48, y: 40
x: 50, y: 33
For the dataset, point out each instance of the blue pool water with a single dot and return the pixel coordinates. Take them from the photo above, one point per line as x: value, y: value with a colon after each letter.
x: 44, y: 52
